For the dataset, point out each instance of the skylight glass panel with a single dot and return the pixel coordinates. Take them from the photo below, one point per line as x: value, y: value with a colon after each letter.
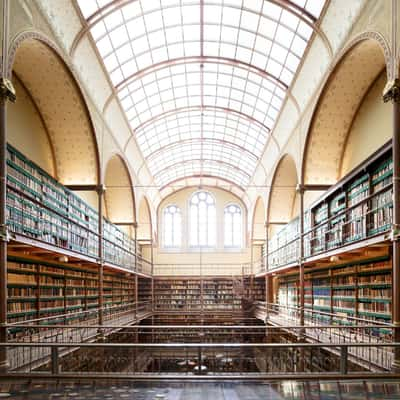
x: 192, y: 103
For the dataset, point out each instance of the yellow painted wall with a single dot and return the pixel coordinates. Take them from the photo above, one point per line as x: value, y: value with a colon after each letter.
x: 259, y: 221
x: 26, y: 131
x: 144, y: 221
x: 371, y: 127
x: 90, y: 197
x: 216, y: 256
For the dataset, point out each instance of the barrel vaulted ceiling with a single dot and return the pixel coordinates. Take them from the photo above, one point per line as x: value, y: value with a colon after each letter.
x: 201, y: 82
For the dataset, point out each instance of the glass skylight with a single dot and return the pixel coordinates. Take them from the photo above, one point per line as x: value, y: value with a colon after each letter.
x: 201, y: 83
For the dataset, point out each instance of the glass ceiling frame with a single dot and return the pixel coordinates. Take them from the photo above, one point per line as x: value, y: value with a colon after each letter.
x: 189, y: 73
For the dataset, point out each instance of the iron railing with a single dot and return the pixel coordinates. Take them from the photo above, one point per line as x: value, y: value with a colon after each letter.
x: 216, y: 359
x: 368, y: 218
x: 371, y: 358
x: 203, y: 269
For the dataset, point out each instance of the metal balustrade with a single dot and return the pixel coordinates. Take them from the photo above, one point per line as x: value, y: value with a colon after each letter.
x: 68, y: 234
x: 370, y: 357
x: 326, y: 327
x: 64, y: 328
x: 203, y: 269
x: 156, y: 360
x: 370, y: 217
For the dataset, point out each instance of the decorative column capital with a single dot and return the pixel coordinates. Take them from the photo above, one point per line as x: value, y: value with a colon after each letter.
x: 300, y: 188
x: 100, y: 189
x: 392, y: 91
x: 7, y: 91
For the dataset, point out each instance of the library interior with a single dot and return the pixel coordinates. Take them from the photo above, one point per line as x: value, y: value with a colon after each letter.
x: 200, y: 199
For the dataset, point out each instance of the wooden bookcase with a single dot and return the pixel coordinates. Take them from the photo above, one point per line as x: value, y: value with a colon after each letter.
x: 145, y: 292
x: 358, y: 207
x: 40, y: 208
x: 361, y: 289
x: 38, y: 289
x: 259, y: 289
x: 196, y: 294
x: 177, y: 294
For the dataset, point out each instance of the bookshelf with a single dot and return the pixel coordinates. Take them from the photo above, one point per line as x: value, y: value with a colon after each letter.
x: 321, y: 228
x: 177, y: 294
x: 38, y: 289
x: 219, y: 295
x: 357, y: 207
x: 196, y: 294
x: 145, y: 293
x: 357, y: 191
x: 381, y: 214
x: 259, y: 289
x: 335, y: 233
x: 38, y: 207
x: 361, y: 289
x: 288, y: 293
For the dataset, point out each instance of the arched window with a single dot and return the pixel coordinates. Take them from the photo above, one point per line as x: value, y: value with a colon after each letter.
x: 172, y: 224
x: 233, y: 226
x: 202, y: 220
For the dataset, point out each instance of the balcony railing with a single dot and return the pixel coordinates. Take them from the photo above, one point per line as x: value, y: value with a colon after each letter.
x: 325, y: 327
x: 369, y: 357
x: 75, y: 327
x: 212, y: 360
x: 30, y: 218
x: 202, y: 269
x: 368, y: 218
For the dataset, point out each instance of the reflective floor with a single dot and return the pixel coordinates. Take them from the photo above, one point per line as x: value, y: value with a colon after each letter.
x: 292, y: 390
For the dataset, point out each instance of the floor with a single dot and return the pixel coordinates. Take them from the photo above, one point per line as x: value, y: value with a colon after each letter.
x: 292, y: 390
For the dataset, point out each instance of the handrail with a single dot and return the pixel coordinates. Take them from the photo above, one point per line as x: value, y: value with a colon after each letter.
x: 88, y: 229
x: 211, y: 327
x: 324, y: 313
x: 310, y: 234
x: 202, y: 344
x: 264, y: 357
x: 78, y: 313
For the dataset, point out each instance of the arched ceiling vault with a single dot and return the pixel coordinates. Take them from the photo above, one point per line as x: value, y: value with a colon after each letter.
x: 335, y: 111
x: 63, y: 110
x: 203, y: 70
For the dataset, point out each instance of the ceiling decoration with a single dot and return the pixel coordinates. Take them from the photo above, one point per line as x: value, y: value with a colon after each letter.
x: 335, y: 112
x: 201, y: 82
x: 57, y: 96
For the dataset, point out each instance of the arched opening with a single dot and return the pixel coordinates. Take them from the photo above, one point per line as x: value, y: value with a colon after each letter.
x: 64, y: 133
x: 282, y: 204
x: 119, y: 195
x: 329, y: 136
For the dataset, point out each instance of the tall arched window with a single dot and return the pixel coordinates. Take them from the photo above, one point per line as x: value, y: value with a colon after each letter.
x: 172, y: 224
x: 202, y: 220
x: 233, y: 226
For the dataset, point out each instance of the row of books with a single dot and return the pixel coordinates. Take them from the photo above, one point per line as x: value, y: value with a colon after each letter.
x: 36, y: 289
x: 369, y: 218
x: 366, y: 289
x: 67, y: 222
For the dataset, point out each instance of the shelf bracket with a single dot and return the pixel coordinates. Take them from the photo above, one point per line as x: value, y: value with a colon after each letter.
x: 395, y: 233
x: 4, y: 234
x: 7, y: 91
x: 391, y: 91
